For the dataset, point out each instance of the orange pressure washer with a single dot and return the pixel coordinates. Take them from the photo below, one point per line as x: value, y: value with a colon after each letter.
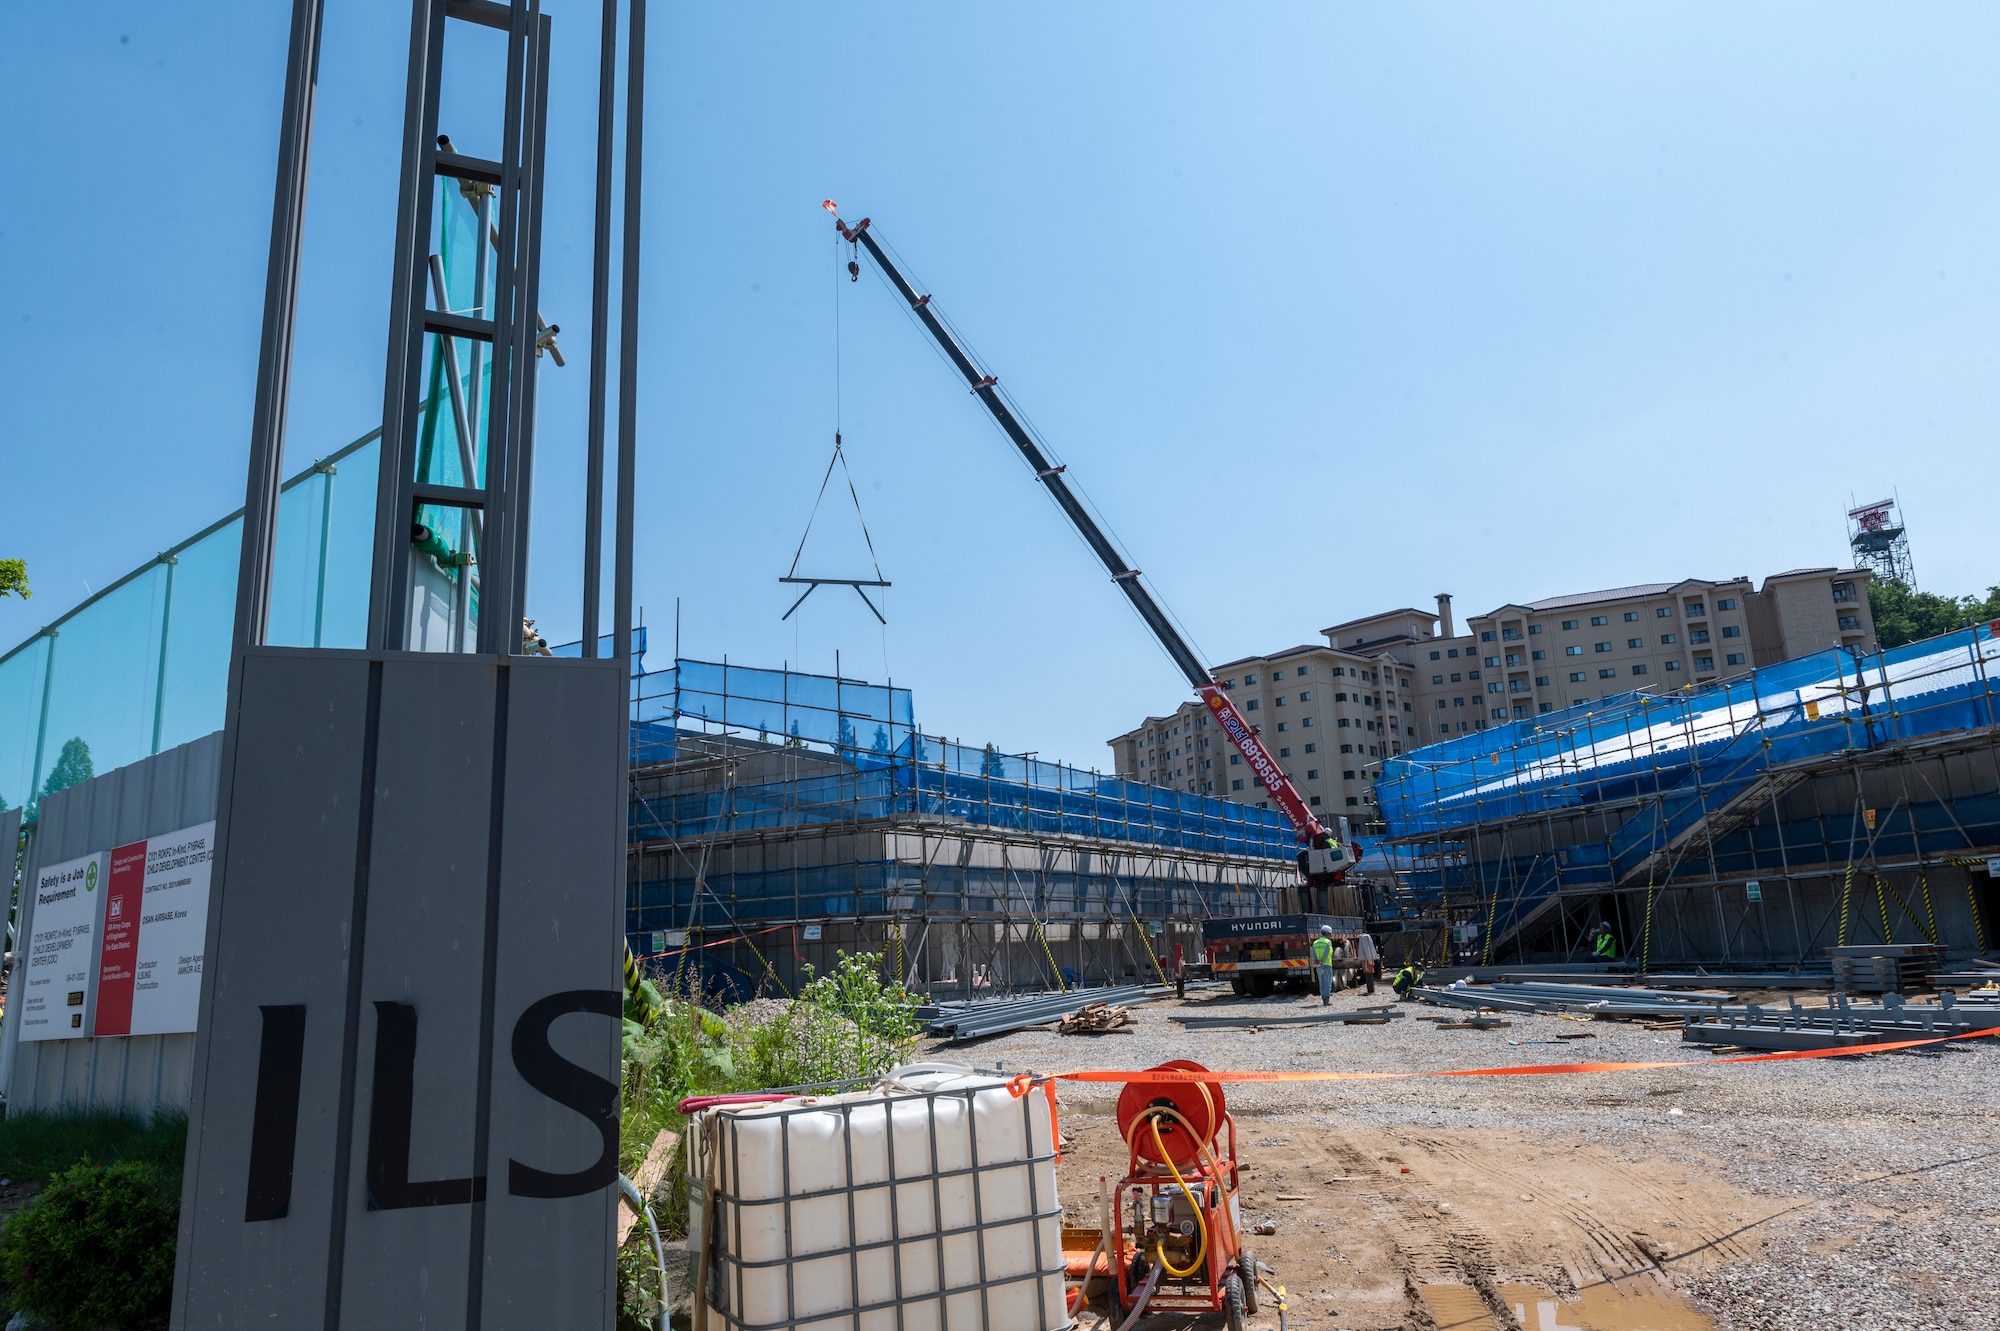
x: 1175, y: 1222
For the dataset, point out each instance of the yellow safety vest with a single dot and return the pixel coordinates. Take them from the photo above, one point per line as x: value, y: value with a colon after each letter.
x: 1322, y: 951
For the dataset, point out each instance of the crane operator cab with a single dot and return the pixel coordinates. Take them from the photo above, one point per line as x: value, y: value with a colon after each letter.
x: 1328, y: 858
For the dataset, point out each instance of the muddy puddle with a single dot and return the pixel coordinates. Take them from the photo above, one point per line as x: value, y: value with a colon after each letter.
x: 1637, y: 1304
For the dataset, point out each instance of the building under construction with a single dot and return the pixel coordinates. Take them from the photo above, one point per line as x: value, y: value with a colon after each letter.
x: 779, y: 818
x: 1837, y: 799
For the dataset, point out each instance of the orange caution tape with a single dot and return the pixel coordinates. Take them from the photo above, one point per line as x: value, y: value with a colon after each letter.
x: 1158, y: 1076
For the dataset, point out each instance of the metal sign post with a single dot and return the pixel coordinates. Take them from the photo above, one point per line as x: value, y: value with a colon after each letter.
x: 405, y: 1106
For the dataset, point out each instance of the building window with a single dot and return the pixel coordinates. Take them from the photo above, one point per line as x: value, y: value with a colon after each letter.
x: 1435, y: 655
x: 1578, y: 676
x: 1541, y: 681
x: 1850, y: 621
x: 1608, y: 672
x: 1513, y: 658
x: 1631, y: 616
x: 1458, y: 702
x: 1441, y: 704
x: 1697, y: 635
x: 1340, y: 670
x: 1347, y: 748
x: 1486, y: 636
x: 1602, y: 647
x: 1534, y: 628
x: 1538, y: 655
x: 1249, y: 679
x: 1470, y: 674
x: 1666, y: 639
x: 1308, y: 721
x: 1598, y: 621
x: 1704, y: 663
x: 1250, y: 706
x: 1731, y: 631
x: 1342, y: 723
x: 1511, y: 635
x: 1491, y: 662
x: 1315, y: 799
x: 1451, y: 651
x: 1499, y: 713
x: 1437, y: 679
x: 1727, y: 603
x: 1635, y: 642
x: 1228, y: 683
x: 1235, y: 760
x: 1301, y: 670
x: 1347, y: 775
x: 1352, y: 801
x: 1673, y: 665
x: 1546, y: 707
x: 1306, y: 696
x: 1455, y: 677
x: 1284, y: 753
x: 1639, y: 669
x: 1494, y: 687
x: 1312, y: 748
x: 1282, y: 725
x: 1574, y: 649
x: 1736, y: 658
x: 1517, y: 686
x: 1665, y: 612
x: 1236, y: 785
x: 1696, y: 610
x: 1312, y: 773
x: 1569, y: 624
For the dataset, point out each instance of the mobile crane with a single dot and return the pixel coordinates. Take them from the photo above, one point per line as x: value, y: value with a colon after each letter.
x: 1325, y: 857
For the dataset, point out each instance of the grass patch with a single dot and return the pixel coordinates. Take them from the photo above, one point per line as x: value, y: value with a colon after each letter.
x: 37, y: 1145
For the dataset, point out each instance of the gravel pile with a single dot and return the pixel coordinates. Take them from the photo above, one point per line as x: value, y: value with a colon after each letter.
x: 1883, y: 1172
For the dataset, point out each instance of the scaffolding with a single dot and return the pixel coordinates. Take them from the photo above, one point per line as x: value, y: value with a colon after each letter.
x: 812, y: 809
x: 1838, y: 798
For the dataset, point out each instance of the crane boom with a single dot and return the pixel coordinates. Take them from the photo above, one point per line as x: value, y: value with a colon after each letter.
x: 986, y: 388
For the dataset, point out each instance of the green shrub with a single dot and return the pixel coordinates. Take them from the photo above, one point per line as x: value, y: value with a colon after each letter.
x: 96, y: 1247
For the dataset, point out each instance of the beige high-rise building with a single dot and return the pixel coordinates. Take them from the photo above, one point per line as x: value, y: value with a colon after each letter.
x: 1398, y: 680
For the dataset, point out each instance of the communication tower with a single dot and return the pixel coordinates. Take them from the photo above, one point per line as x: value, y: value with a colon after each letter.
x: 1876, y: 534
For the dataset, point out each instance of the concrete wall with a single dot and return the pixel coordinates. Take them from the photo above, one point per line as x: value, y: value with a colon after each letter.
x: 140, y: 1073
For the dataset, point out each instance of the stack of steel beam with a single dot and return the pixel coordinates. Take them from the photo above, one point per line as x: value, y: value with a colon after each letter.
x: 1879, y: 968
x: 996, y: 1016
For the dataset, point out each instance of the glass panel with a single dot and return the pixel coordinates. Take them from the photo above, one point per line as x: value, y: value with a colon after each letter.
x: 21, y: 677
x: 198, y: 635
x: 101, y: 696
x: 296, y: 566
x: 350, y: 549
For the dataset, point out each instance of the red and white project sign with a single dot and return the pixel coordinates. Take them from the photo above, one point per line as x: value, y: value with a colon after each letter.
x: 154, y: 930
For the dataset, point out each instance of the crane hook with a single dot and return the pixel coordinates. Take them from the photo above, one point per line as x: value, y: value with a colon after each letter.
x: 853, y: 271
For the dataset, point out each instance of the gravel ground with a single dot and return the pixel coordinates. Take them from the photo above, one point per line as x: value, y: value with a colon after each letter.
x: 1867, y: 1189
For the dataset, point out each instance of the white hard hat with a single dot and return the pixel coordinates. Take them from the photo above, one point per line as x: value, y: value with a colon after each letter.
x: 1326, y: 928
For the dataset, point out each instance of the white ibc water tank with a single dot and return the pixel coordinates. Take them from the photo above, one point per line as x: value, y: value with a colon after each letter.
x: 927, y: 1203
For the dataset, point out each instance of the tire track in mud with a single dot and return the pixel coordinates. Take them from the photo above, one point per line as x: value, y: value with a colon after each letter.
x: 1636, y: 1252
x: 1430, y: 1248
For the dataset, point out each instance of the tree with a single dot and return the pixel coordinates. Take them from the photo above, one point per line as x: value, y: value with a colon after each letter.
x: 1905, y: 615
x: 72, y: 765
x: 992, y: 763
x: 14, y: 578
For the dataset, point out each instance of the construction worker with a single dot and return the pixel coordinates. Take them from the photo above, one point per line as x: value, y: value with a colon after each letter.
x: 1371, y: 960
x: 1322, y: 954
x: 1407, y: 979
x: 1603, y: 944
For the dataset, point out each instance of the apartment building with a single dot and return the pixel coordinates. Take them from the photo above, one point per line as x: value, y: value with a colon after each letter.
x: 1397, y: 680
x: 1324, y: 712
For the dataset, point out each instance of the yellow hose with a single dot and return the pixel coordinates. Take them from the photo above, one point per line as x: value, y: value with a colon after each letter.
x: 1201, y: 1224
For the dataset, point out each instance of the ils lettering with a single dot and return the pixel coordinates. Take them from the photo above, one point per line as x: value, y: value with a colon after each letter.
x: 392, y: 1109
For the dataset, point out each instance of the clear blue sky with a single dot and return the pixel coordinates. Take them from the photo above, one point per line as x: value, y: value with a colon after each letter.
x: 1329, y: 308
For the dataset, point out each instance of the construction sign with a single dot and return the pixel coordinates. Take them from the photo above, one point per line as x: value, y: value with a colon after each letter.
x: 154, y: 930
x: 62, y: 952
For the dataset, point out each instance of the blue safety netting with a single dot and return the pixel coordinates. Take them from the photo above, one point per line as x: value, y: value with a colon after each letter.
x: 1685, y: 756
x: 885, y: 767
